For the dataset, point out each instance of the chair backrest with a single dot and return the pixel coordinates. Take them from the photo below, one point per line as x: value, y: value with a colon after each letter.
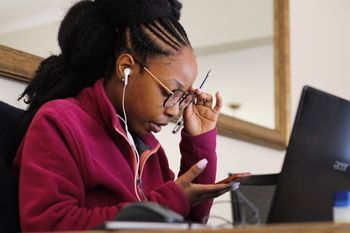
x: 252, y: 201
x: 12, y: 129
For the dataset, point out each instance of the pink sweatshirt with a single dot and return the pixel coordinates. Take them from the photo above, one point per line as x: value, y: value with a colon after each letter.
x: 76, y: 167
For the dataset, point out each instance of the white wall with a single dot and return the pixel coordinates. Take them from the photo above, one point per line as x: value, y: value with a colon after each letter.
x: 320, y: 46
x: 319, y: 56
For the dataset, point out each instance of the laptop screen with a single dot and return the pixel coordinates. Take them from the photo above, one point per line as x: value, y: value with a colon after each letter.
x: 317, y: 160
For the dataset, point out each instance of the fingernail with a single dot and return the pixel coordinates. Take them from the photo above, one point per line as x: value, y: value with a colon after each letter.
x: 201, y: 164
x: 234, y: 185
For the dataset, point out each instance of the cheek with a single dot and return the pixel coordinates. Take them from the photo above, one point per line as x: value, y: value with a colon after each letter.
x: 143, y: 110
x: 144, y: 104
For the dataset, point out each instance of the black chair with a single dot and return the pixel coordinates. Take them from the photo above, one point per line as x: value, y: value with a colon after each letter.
x: 12, y: 128
x: 252, y: 201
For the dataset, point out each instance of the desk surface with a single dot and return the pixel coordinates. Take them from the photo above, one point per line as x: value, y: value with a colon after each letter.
x: 271, y: 228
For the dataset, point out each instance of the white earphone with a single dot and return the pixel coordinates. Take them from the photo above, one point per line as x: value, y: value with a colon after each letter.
x: 126, y: 76
x: 129, y: 136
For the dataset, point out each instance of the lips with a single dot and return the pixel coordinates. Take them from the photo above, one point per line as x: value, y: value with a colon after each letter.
x: 155, y: 127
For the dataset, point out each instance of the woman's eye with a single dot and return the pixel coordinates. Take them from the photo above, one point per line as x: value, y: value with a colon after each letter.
x: 165, y: 93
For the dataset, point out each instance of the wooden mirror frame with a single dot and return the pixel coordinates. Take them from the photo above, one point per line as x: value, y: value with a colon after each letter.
x: 278, y: 137
x: 17, y: 65
x: 20, y: 66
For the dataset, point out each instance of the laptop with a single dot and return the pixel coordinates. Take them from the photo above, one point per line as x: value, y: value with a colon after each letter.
x: 317, y: 160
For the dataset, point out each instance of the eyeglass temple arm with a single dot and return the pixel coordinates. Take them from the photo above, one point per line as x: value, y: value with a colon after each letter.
x: 149, y: 72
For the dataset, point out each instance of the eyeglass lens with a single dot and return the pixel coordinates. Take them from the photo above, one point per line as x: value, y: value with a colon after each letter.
x: 189, y: 98
x: 177, y: 96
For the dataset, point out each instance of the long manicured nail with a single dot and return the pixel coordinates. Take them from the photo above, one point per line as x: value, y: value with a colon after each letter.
x: 234, y: 185
x: 201, y: 164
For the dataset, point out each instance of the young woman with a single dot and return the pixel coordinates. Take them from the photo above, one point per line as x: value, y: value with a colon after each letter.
x: 126, y: 67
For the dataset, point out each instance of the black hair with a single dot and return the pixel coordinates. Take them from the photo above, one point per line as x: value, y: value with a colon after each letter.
x: 93, y: 34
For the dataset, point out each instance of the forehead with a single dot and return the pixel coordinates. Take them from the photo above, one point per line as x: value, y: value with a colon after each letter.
x: 180, y: 70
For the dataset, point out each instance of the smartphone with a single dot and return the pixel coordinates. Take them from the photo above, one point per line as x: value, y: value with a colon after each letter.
x: 236, y: 177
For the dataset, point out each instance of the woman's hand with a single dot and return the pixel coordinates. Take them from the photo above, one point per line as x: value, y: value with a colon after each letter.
x: 200, y: 117
x: 198, y: 193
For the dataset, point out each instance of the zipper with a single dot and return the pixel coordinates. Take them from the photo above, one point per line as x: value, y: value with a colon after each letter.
x: 143, y: 158
x: 139, y: 184
x: 142, y: 162
x: 137, y: 181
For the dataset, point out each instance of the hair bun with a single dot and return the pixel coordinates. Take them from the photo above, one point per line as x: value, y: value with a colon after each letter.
x: 119, y: 12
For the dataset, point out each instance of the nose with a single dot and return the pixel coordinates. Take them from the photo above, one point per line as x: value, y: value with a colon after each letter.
x: 173, y: 111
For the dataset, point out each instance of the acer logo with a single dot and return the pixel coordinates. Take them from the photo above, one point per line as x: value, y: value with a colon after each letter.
x: 340, y: 166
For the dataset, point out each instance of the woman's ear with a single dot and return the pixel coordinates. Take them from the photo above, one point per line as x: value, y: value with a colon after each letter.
x: 124, y: 66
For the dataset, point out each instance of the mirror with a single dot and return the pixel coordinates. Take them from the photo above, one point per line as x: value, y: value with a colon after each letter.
x: 239, y: 49
x: 221, y: 48
x: 246, y: 44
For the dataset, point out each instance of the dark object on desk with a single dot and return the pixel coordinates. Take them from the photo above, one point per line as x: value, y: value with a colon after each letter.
x: 317, y: 160
x: 12, y: 129
x: 252, y: 201
x: 147, y: 212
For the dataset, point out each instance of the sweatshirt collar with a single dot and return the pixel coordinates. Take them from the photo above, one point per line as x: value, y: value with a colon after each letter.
x: 97, y: 105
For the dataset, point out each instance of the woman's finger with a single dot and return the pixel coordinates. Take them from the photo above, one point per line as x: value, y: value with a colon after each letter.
x: 193, y: 172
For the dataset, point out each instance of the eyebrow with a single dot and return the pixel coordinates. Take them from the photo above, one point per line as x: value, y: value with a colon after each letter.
x: 179, y: 84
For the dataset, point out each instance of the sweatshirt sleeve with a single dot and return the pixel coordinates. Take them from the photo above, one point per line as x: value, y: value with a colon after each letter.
x: 51, y: 195
x: 194, y: 149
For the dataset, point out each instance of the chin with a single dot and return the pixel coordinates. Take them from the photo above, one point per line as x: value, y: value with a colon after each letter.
x: 143, y: 132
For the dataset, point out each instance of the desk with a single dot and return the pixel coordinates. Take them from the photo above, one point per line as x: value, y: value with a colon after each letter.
x: 271, y: 228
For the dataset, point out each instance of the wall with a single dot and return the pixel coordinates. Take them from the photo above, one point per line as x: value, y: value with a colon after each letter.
x: 319, y: 56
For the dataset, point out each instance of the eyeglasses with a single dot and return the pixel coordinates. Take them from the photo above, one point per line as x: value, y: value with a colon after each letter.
x: 175, y: 96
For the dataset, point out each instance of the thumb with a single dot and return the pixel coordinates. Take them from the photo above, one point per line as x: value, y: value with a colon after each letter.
x: 195, y: 170
x: 202, y: 164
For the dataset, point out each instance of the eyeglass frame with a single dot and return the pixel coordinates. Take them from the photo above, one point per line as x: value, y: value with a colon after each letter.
x: 171, y: 93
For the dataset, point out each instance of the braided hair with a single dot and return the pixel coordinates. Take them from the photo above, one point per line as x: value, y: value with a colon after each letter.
x: 93, y: 34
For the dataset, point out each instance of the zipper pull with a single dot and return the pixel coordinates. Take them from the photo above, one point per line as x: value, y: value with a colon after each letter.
x: 139, y: 182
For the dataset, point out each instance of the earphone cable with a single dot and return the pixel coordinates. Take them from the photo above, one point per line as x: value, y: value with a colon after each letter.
x: 131, y: 140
